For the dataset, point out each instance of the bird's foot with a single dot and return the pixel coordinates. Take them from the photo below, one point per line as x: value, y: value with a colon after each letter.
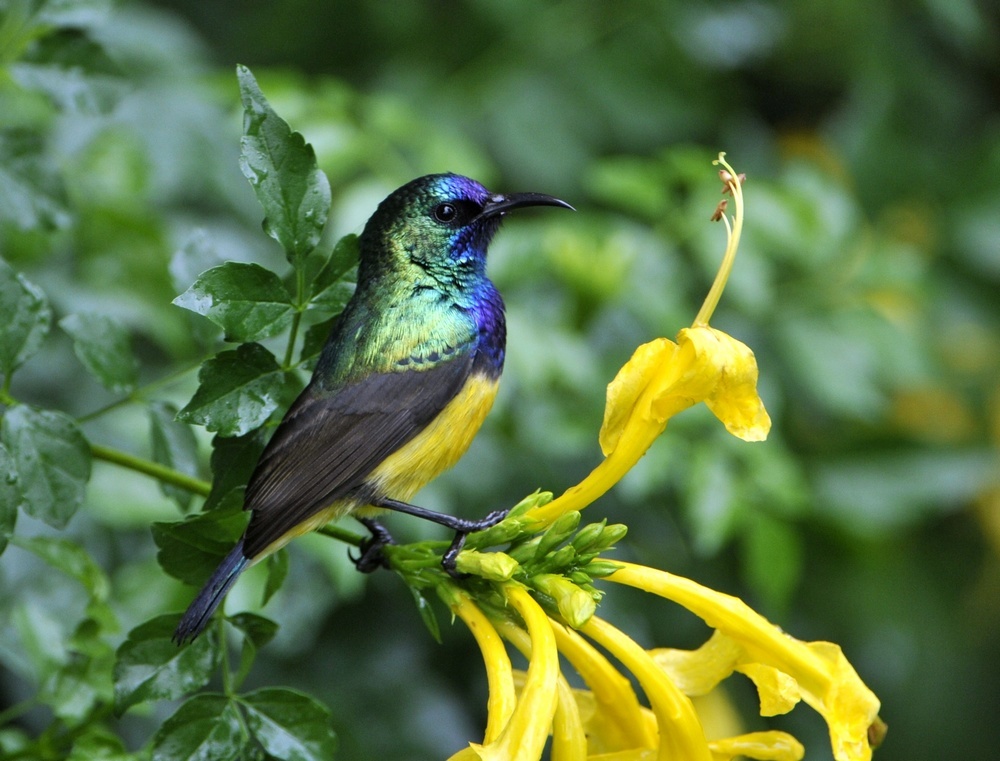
x: 450, y: 558
x: 372, y: 557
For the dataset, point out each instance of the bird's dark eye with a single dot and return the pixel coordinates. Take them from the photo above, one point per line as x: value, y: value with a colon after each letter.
x: 445, y: 212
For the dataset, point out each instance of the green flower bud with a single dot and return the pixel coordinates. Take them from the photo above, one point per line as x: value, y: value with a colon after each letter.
x: 537, y: 499
x: 578, y: 577
x: 575, y: 605
x: 505, y: 531
x: 558, y: 561
x: 588, y: 535
x: 557, y: 533
x: 610, y: 536
x: 525, y: 551
x: 492, y: 566
x: 600, y: 568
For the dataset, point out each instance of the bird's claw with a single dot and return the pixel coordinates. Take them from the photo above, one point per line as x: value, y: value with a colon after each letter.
x: 372, y: 557
x: 450, y: 558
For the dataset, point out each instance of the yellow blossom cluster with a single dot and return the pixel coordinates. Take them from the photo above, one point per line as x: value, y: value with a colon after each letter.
x: 529, y: 712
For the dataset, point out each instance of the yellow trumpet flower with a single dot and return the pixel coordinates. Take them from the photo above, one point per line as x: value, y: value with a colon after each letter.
x: 784, y: 669
x: 606, y: 721
x: 663, y: 378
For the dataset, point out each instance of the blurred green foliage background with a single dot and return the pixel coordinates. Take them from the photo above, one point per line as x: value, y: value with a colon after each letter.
x: 868, y: 285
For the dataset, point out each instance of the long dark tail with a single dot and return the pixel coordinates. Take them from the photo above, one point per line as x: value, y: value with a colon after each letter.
x: 196, y: 617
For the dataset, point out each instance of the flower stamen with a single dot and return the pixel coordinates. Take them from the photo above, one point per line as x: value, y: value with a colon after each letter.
x: 733, y: 185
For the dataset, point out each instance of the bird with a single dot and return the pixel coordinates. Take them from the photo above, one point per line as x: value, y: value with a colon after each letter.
x: 402, y: 385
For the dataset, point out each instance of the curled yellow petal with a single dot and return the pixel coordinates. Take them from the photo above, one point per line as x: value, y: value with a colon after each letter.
x: 825, y: 678
x: 680, y: 733
x: 618, y: 722
x: 502, y: 699
x: 523, y: 738
x: 661, y: 379
x: 764, y: 746
x: 778, y: 691
x: 697, y: 672
x: 727, y: 371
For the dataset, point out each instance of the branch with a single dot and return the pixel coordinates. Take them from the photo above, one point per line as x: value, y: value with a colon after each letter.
x: 153, y: 469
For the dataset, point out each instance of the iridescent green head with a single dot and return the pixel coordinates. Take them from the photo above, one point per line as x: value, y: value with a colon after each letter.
x: 438, y: 227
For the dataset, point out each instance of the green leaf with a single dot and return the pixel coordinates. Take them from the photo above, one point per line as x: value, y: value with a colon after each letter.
x: 26, y: 201
x: 315, y: 339
x: 10, y: 496
x: 72, y: 90
x: 233, y: 461
x: 205, y: 728
x: 289, y: 725
x: 258, y: 629
x: 334, y: 285
x: 26, y: 316
x: 427, y: 614
x: 75, y: 14
x: 282, y: 170
x: 196, y: 255
x: 102, y: 345
x: 247, y: 301
x: 74, y: 561
x: 83, y: 680
x: 191, y: 549
x: 70, y: 558
x: 150, y: 665
x: 238, y: 391
x: 98, y: 743
x: 52, y: 459
x: 77, y: 687
x: 174, y: 445
x: 277, y: 570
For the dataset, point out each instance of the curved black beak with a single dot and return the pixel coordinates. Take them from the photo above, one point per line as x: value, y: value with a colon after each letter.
x: 500, y: 204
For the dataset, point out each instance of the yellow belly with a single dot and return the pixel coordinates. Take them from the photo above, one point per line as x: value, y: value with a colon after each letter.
x: 403, y: 473
x: 440, y: 445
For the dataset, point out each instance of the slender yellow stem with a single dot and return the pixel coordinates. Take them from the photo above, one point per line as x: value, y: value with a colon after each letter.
x: 732, y: 244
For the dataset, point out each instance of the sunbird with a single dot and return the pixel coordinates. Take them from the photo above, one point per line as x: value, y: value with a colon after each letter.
x: 404, y: 381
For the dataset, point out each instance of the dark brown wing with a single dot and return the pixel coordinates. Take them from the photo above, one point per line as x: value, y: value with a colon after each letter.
x: 326, y: 447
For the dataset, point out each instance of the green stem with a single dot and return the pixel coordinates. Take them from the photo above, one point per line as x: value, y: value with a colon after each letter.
x: 341, y: 535
x: 140, y: 392
x: 227, y: 672
x: 153, y: 469
x: 293, y: 334
x: 300, y: 307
